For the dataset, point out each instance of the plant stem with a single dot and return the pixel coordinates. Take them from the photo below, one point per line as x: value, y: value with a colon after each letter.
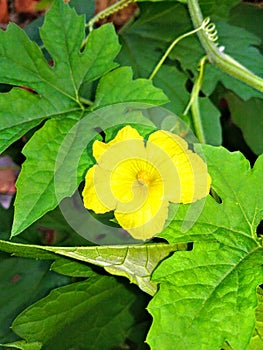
x: 194, y: 103
x: 217, y: 57
x: 168, y: 51
x: 85, y: 101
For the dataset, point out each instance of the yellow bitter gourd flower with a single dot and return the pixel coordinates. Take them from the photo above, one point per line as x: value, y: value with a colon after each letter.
x: 138, y: 179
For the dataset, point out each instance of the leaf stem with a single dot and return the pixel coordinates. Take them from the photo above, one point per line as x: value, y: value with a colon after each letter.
x: 217, y: 57
x: 85, y: 101
x: 194, y: 103
x: 170, y: 48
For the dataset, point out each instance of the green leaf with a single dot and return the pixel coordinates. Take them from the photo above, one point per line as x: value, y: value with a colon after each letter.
x: 23, y: 345
x: 72, y: 268
x: 173, y: 83
x: 88, y: 7
x: 210, y: 117
x: 134, y: 262
x: 257, y: 339
x: 242, y: 14
x: 75, y: 67
x: 217, y: 8
x: 22, y: 282
x: 98, y: 312
x: 118, y: 87
x: 24, y: 109
x: 212, y: 289
x: 57, y: 87
x: 35, y: 185
x: 248, y: 115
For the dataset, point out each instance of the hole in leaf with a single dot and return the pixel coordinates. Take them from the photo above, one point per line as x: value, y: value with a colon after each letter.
x: 233, y: 138
x: 128, y: 345
x: 101, y: 132
x: 260, y: 229
x: 158, y: 240
x: 189, y: 85
x: 175, y: 63
x: 28, y: 89
x: 215, y: 195
x: 201, y: 94
x: 5, y: 88
x: 190, y: 246
x: 190, y: 74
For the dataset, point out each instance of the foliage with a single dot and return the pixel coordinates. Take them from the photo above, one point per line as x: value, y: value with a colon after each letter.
x: 199, y: 279
x: 216, y: 281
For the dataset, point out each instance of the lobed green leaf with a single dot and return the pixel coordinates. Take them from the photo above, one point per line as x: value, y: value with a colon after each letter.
x: 58, y: 93
x: 212, y: 289
x: 118, y: 87
x: 35, y: 185
x: 57, y: 88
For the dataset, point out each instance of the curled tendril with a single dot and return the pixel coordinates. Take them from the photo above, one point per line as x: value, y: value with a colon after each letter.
x: 119, y: 5
x: 210, y: 30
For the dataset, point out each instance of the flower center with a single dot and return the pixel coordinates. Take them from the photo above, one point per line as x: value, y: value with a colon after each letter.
x: 143, y: 177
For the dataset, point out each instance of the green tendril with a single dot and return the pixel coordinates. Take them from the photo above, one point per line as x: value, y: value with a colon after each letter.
x: 120, y: 5
x: 194, y: 103
x: 208, y: 27
x: 216, y: 55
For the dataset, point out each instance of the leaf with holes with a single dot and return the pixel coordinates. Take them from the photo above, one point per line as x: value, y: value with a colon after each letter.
x: 56, y: 88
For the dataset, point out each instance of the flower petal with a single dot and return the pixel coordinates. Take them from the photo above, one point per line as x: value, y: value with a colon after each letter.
x: 147, y: 221
x: 125, y: 134
x: 172, y: 144
x: 114, y: 176
x: 187, y: 179
x: 124, y: 178
x: 91, y: 198
x: 194, y: 178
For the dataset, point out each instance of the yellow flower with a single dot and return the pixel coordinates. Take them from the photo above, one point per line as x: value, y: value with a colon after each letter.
x: 137, y: 179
